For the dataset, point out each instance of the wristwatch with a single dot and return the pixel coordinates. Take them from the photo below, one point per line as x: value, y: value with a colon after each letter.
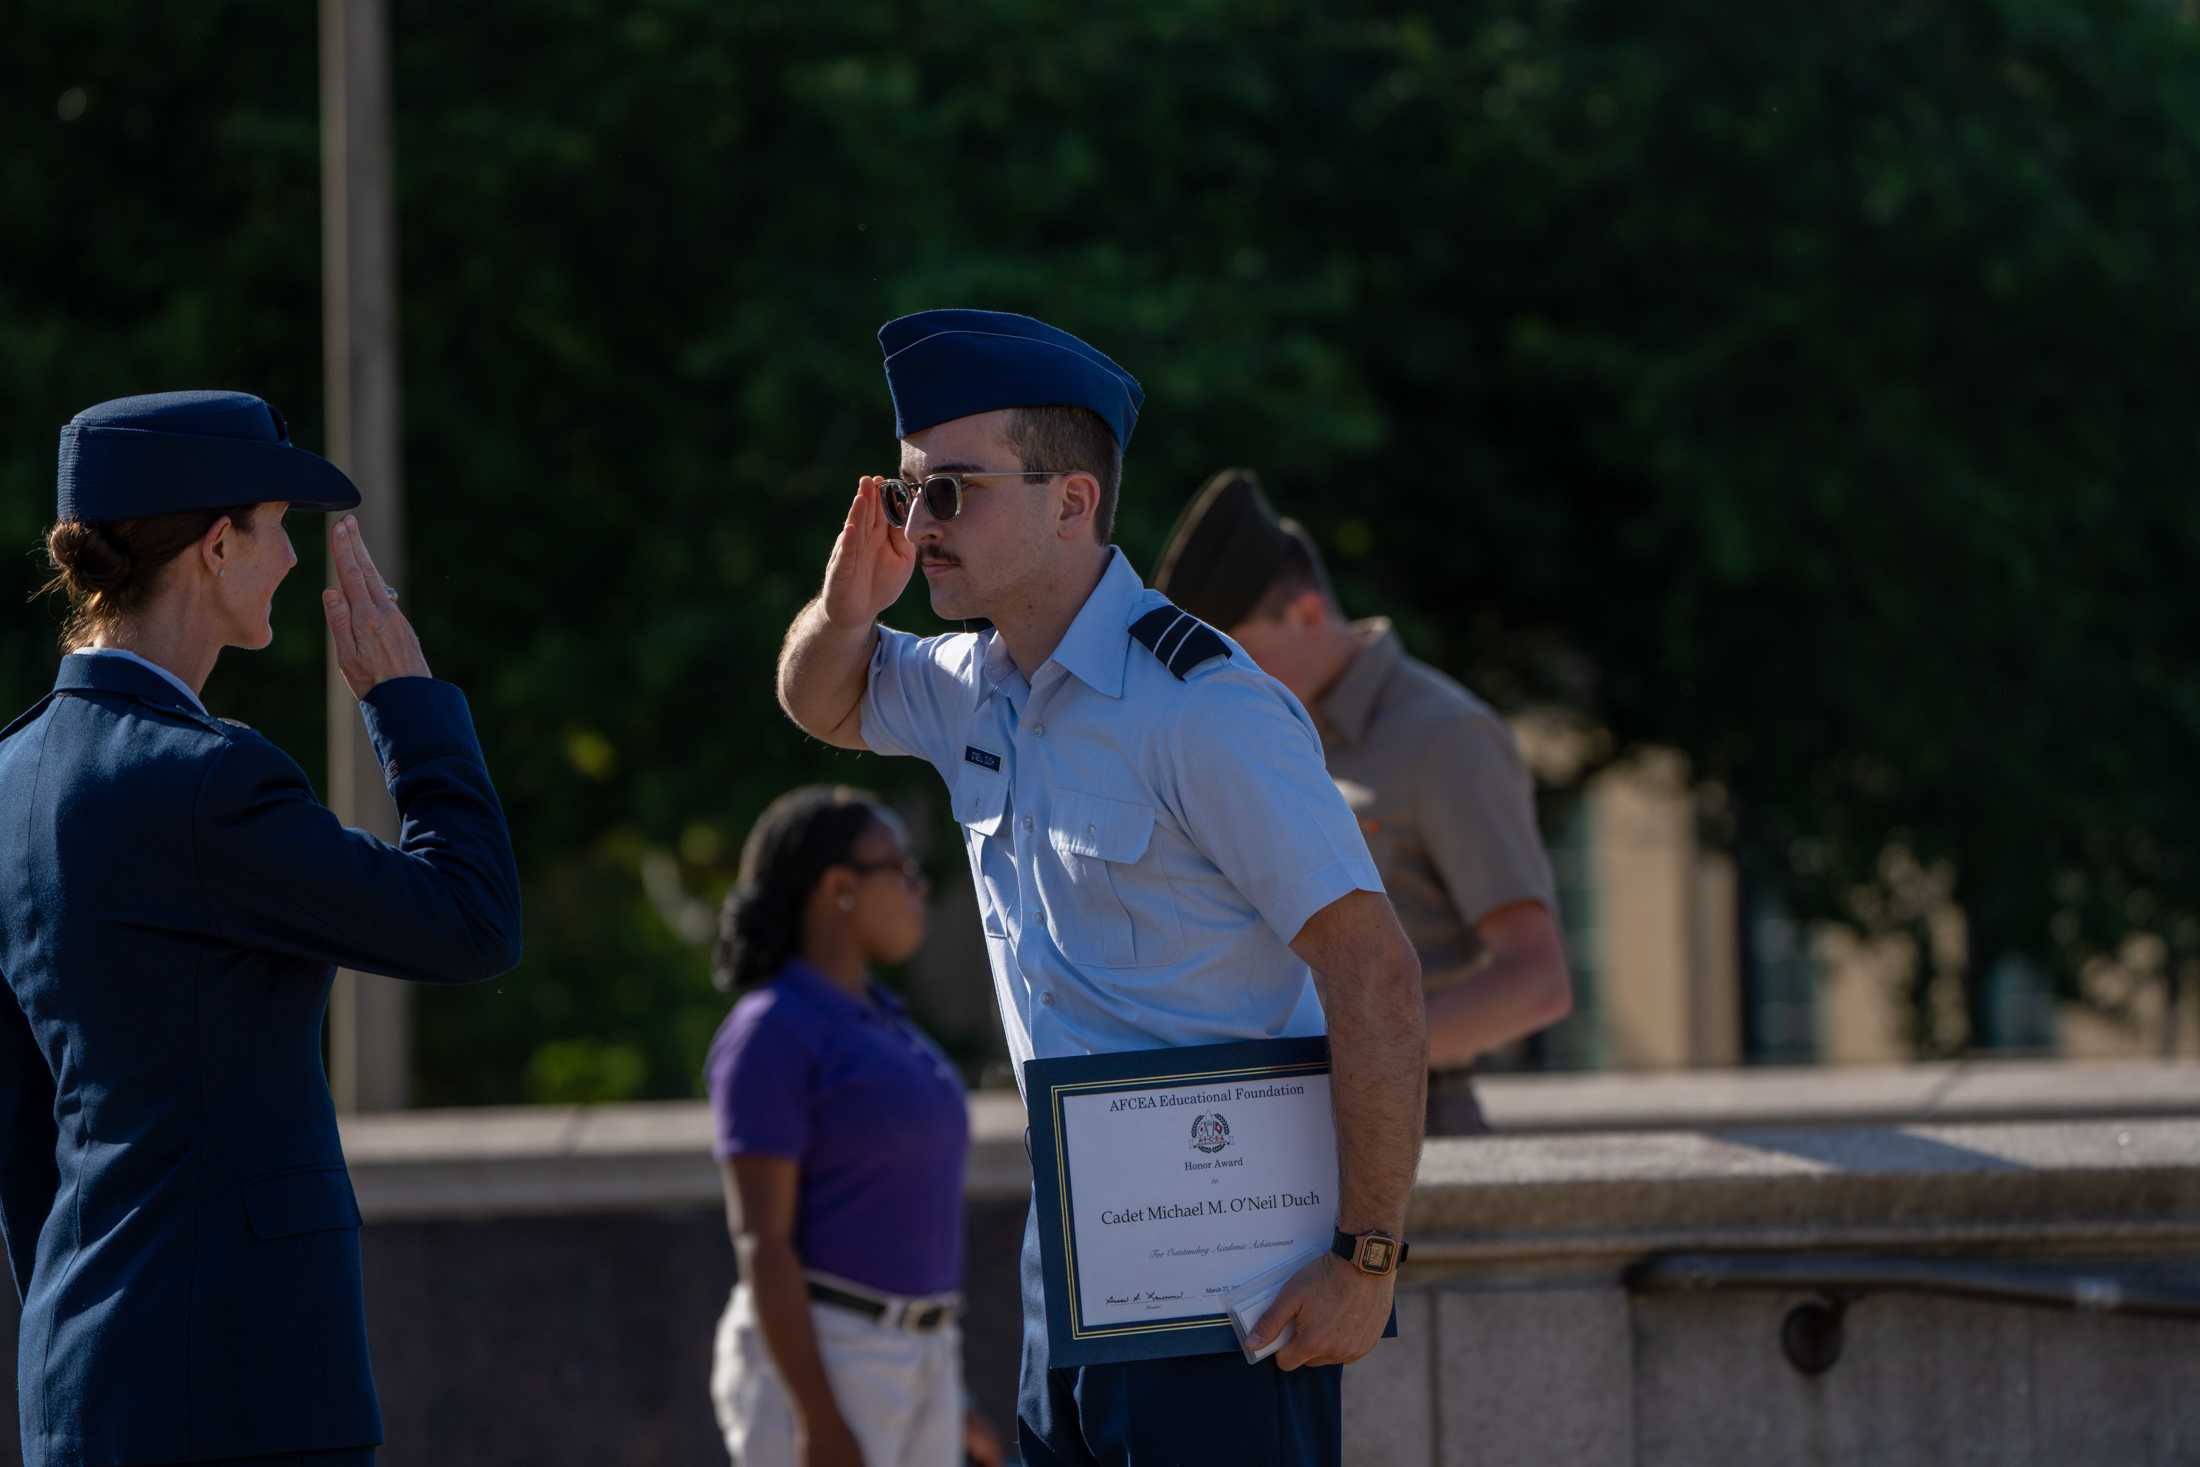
x: 1375, y: 1253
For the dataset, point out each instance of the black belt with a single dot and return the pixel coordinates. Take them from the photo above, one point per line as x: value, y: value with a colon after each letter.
x: 896, y: 1314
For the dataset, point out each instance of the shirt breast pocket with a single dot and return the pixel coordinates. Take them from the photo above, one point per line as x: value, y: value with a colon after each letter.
x: 1105, y: 904
x: 980, y: 797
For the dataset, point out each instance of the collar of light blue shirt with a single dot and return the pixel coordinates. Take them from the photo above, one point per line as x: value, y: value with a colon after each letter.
x: 181, y: 686
x: 1098, y: 641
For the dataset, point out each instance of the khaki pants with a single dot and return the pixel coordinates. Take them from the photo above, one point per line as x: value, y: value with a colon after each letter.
x: 900, y: 1392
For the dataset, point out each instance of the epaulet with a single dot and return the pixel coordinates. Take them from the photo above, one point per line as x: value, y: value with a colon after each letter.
x: 1179, y: 639
x: 214, y: 723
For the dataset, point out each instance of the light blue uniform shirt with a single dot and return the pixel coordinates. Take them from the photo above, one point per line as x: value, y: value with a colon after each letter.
x: 1145, y: 847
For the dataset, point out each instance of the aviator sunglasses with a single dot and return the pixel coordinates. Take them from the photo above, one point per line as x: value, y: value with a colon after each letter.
x: 943, y: 493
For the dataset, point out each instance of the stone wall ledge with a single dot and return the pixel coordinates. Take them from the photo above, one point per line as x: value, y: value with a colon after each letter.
x: 1518, y: 1106
x: 1818, y: 1095
x: 1591, y: 1200
x: 1599, y: 1200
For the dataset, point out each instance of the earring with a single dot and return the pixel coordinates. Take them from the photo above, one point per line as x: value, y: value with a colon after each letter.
x: 220, y: 571
x: 847, y: 903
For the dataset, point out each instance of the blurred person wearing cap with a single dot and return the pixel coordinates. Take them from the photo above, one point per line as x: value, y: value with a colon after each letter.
x: 1159, y: 856
x: 173, y: 903
x: 1433, y: 775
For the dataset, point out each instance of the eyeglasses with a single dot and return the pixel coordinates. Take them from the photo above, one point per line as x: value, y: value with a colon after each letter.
x: 912, y: 871
x: 943, y: 493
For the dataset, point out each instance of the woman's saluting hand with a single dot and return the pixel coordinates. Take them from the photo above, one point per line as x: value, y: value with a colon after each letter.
x: 374, y: 641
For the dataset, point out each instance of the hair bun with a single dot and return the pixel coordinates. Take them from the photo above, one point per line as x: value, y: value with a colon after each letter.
x: 91, y: 559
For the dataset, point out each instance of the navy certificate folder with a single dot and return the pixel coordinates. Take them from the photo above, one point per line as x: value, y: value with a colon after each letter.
x: 1190, y: 1079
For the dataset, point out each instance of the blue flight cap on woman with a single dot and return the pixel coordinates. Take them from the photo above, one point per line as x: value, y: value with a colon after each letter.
x: 171, y: 451
x: 943, y: 365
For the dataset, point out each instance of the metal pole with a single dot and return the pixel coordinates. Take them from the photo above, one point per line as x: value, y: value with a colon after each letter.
x: 370, y: 1028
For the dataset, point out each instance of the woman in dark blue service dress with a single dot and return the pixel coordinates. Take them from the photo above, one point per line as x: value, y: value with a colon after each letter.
x: 173, y: 899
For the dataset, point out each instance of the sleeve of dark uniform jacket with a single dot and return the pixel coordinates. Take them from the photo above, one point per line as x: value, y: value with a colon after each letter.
x: 283, y: 874
x: 27, y: 1176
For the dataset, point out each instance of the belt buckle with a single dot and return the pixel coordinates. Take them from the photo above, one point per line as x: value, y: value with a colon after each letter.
x: 924, y: 1320
x: 893, y: 1313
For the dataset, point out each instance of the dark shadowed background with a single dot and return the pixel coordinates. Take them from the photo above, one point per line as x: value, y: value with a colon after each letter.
x: 1800, y: 388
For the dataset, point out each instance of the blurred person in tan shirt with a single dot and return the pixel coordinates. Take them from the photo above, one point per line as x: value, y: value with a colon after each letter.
x: 1435, y: 777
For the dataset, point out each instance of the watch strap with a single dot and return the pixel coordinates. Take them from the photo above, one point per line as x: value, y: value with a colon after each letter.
x: 1347, y: 1246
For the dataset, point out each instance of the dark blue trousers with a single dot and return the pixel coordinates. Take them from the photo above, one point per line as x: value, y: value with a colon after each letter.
x: 1195, y: 1410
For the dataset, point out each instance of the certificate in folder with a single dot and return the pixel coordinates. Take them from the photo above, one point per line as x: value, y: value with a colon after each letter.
x: 1165, y: 1178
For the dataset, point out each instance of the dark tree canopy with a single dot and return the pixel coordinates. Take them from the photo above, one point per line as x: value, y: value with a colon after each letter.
x: 1798, y: 387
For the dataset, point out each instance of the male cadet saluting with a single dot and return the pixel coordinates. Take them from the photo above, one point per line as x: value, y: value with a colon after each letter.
x: 1434, y: 776
x: 1158, y: 853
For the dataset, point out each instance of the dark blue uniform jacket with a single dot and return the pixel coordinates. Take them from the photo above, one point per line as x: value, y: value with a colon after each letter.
x: 173, y: 900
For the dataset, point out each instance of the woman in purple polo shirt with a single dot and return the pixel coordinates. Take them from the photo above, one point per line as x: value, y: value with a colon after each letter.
x: 842, y: 1132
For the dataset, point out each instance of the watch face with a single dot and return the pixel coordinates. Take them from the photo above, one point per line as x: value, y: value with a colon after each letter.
x: 1377, y: 1255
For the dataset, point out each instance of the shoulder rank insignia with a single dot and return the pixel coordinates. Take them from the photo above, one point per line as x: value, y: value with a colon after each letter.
x: 1181, y: 640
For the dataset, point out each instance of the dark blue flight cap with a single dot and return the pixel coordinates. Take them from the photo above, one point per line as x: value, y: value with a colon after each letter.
x: 943, y: 365
x: 171, y: 451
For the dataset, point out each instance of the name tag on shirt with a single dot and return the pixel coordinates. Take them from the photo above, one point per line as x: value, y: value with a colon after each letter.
x: 975, y: 755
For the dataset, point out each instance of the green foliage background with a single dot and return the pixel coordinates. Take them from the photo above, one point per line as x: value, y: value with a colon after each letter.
x: 1799, y: 386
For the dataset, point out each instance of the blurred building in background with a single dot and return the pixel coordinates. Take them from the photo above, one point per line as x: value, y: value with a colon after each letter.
x: 1681, y: 963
